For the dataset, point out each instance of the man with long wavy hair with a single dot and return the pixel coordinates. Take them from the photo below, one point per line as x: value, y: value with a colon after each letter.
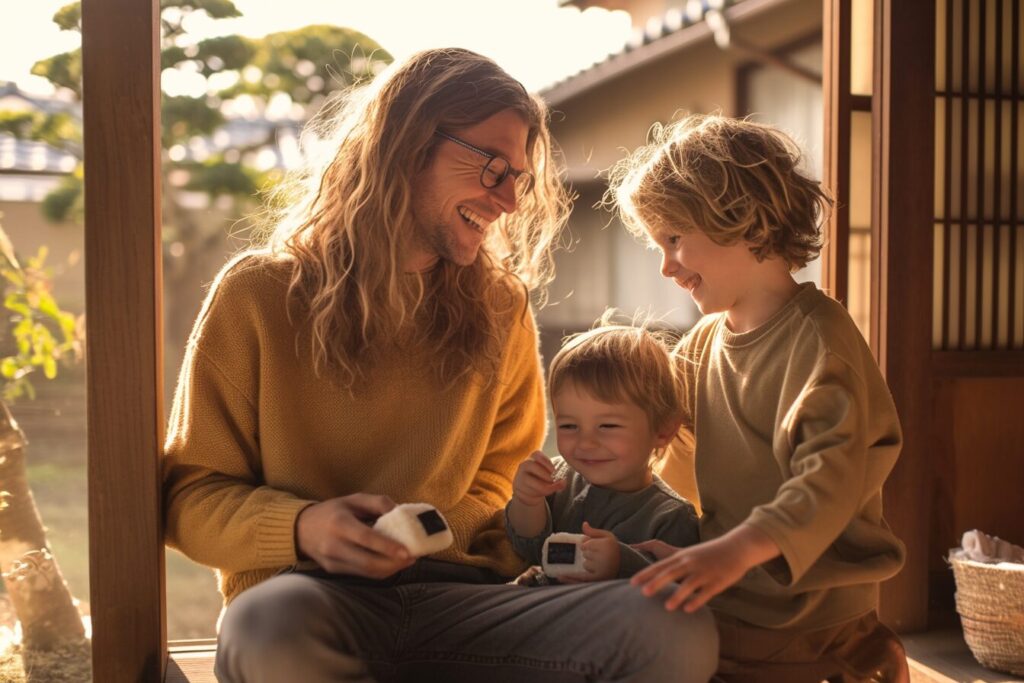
x: 382, y: 350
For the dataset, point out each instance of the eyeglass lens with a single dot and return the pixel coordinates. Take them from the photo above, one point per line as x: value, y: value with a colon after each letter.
x: 497, y: 169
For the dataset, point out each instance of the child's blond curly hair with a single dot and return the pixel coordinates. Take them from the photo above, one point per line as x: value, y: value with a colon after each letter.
x: 621, y: 364
x: 732, y: 179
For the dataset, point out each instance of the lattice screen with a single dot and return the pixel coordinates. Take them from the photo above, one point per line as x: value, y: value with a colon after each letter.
x: 979, y: 184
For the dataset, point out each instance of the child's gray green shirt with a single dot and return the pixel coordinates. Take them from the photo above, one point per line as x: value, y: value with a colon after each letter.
x: 655, y: 512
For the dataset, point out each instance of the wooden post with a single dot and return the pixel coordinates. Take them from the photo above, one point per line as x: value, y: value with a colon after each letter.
x: 835, y: 263
x: 902, y: 216
x: 121, y: 85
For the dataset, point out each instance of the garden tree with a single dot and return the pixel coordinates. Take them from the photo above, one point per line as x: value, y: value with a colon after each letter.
x: 35, y: 337
x: 291, y: 71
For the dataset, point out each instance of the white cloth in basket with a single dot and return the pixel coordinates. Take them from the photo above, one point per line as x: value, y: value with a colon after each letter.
x: 980, y: 547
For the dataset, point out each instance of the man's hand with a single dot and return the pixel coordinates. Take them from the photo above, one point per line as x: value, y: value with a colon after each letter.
x: 534, y: 480
x: 601, y: 556
x: 706, y: 569
x: 336, y: 535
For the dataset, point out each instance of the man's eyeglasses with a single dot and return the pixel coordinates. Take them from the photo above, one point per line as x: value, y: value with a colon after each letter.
x: 496, y: 169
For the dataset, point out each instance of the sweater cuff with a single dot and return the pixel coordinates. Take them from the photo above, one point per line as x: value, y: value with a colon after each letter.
x: 528, y: 547
x: 791, y: 564
x: 631, y: 561
x: 275, y: 535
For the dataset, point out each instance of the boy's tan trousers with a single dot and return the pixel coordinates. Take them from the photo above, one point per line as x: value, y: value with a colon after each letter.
x: 862, y: 650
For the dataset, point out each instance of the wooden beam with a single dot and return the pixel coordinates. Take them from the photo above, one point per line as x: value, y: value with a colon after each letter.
x: 121, y: 107
x: 1008, y: 363
x: 835, y: 263
x: 903, y: 156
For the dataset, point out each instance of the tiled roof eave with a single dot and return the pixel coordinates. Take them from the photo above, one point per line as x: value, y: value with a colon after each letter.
x: 630, y: 59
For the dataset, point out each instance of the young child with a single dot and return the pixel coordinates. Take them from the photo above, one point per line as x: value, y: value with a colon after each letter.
x: 794, y: 428
x: 616, y: 404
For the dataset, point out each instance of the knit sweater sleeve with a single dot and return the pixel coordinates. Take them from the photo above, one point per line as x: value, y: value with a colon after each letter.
x: 217, y: 510
x: 518, y: 430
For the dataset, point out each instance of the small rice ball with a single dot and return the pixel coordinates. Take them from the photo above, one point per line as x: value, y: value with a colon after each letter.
x: 420, y: 527
x: 562, y: 554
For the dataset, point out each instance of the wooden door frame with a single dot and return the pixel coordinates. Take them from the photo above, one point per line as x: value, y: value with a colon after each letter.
x: 902, y: 106
x: 121, y: 112
x: 903, y: 162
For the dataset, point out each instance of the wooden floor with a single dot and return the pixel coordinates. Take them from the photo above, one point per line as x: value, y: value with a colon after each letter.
x: 943, y: 657
x: 191, y: 662
x: 935, y: 657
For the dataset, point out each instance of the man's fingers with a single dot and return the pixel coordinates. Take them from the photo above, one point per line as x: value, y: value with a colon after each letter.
x: 361, y: 562
x: 363, y: 536
x: 368, y: 504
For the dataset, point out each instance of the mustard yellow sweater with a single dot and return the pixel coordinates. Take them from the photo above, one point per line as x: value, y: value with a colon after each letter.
x: 255, y: 436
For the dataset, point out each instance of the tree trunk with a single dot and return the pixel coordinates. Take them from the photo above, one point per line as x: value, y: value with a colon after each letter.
x: 39, y: 594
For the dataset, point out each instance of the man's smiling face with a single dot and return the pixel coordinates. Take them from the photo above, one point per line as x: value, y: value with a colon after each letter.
x: 452, y: 210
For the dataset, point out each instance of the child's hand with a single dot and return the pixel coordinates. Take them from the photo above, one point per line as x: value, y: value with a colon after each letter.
x: 706, y: 569
x: 534, y: 480
x: 601, y: 556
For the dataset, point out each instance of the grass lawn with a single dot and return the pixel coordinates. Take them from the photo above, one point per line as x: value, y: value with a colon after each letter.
x: 55, y: 424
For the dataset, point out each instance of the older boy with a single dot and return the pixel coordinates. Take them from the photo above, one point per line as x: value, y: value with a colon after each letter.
x: 794, y: 426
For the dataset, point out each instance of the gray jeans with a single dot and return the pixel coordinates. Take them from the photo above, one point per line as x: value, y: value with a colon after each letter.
x: 438, y: 621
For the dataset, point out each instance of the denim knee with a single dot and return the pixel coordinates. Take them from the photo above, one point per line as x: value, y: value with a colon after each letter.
x: 681, y: 647
x: 272, y: 622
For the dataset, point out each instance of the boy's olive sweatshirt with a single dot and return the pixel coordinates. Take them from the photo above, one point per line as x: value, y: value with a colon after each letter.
x: 255, y: 435
x: 795, y: 433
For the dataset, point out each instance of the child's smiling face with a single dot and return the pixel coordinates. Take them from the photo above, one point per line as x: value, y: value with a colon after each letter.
x: 610, y: 444
x: 716, y: 276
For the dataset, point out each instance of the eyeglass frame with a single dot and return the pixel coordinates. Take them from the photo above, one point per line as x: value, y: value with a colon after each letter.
x: 510, y: 170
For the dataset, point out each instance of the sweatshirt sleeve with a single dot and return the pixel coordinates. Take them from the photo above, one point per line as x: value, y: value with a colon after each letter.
x: 529, y: 547
x: 842, y: 441
x: 675, y: 523
x: 217, y: 510
x: 518, y: 430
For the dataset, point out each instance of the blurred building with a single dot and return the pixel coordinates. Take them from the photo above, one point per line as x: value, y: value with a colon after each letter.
x: 757, y: 57
x: 28, y: 172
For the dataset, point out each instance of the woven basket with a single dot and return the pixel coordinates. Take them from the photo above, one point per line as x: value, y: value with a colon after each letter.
x: 990, y: 601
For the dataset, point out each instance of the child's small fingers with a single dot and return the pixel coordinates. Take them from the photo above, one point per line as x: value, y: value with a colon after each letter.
x: 643, y: 576
x: 698, y: 600
x: 539, y: 458
x: 535, y: 470
x: 539, y: 478
x: 659, y: 581
x: 685, y: 590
